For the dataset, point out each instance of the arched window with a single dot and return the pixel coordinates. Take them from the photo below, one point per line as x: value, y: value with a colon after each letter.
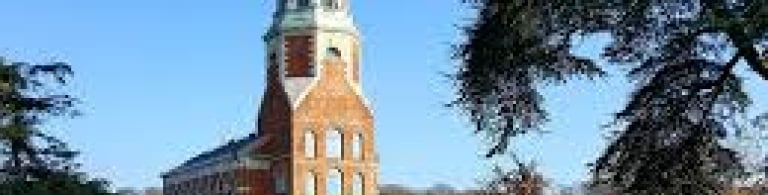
x: 333, y: 52
x: 309, y: 185
x: 331, y: 4
x: 357, y: 184
x: 334, y: 186
x: 309, y: 144
x: 333, y: 144
x: 357, y: 146
x: 281, y: 183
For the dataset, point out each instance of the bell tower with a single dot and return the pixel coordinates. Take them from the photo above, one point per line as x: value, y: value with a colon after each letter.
x: 314, y: 131
x: 319, y: 122
x: 305, y: 32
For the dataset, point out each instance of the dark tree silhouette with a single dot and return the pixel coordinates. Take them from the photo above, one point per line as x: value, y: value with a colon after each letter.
x: 681, y: 54
x: 35, y: 162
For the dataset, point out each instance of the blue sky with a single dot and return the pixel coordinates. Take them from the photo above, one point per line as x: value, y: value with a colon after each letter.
x: 164, y: 80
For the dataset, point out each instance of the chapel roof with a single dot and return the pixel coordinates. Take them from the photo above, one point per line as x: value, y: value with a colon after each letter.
x: 231, y: 147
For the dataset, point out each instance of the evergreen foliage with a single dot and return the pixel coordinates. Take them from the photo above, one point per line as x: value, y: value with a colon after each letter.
x: 33, y: 161
x: 681, y: 55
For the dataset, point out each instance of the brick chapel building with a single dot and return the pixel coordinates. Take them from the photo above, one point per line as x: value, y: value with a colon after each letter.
x: 314, y: 133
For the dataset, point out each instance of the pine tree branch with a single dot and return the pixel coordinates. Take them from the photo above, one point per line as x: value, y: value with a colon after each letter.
x: 727, y: 70
x: 745, y: 47
x: 758, y: 66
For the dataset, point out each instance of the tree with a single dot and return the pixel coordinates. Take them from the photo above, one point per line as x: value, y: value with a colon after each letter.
x: 682, y: 55
x: 524, y: 180
x: 57, y: 183
x: 35, y: 162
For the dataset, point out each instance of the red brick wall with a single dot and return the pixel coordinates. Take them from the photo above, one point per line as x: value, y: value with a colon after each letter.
x: 259, y: 182
x: 275, y: 113
x: 298, y: 56
x: 333, y: 103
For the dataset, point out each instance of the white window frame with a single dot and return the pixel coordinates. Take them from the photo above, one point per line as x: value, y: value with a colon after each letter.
x: 335, y: 182
x: 310, y: 184
x: 310, y: 144
x: 358, y: 141
x: 334, y: 143
x: 358, y: 184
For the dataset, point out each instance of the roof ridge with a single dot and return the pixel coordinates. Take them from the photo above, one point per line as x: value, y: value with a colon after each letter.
x: 234, y: 143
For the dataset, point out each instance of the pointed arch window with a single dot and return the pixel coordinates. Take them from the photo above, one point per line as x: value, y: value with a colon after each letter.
x: 333, y: 145
x: 334, y: 185
x: 309, y: 185
x: 309, y: 144
x: 357, y: 146
x: 357, y: 184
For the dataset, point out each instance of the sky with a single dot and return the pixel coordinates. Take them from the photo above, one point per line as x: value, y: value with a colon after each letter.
x: 161, y: 81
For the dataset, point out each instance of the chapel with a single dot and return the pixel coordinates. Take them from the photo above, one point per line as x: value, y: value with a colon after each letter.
x: 314, y: 130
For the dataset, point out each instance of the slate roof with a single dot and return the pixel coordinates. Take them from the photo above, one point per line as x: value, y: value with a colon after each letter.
x: 230, y: 148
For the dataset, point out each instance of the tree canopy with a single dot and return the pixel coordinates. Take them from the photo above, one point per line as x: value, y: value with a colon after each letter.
x: 680, y: 54
x: 33, y: 161
x: 524, y: 180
